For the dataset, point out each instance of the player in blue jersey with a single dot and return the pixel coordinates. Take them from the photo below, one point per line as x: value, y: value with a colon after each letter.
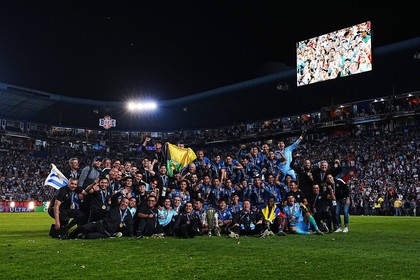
x: 202, y: 163
x: 299, y: 222
x: 272, y: 187
x: 232, y: 166
x: 217, y: 168
x: 235, y: 205
x: 287, y: 152
x: 167, y: 217
x: 224, y: 217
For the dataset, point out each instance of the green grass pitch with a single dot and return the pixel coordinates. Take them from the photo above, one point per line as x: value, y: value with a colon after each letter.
x: 375, y: 248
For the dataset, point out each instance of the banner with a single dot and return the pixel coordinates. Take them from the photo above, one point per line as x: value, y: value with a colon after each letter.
x: 23, y: 206
x: 40, y: 209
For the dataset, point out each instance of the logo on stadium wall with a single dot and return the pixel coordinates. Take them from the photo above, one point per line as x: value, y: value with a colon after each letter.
x: 107, y: 122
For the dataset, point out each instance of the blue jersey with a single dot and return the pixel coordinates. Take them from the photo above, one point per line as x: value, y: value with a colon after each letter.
x: 227, y: 194
x: 272, y: 167
x: 201, y: 163
x: 200, y: 212
x: 224, y: 215
x: 259, y: 195
x: 232, y: 171
x: 235, y: 208
x: 183, y: 195
x: 288, y: 154
x: 216, y: 169
x: 250, y: 171
x: 202, y: 189
x: 214, y: 196
x: 273, y: 190
x: 257, y: 160
x: 293, y: 214
x: 165, y: 216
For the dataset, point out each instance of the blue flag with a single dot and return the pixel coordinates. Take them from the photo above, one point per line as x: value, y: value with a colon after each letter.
x: 56, y: 179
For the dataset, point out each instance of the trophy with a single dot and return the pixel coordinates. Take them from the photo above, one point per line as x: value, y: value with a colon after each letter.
x: 212, y: 221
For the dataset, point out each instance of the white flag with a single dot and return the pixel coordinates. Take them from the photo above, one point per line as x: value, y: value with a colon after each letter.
x: 56, y: 179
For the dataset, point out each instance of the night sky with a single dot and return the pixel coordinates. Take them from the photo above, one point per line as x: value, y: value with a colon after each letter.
x: 116, y: 50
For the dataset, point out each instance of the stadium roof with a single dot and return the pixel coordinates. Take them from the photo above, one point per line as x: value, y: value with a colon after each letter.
x: 395, y: 71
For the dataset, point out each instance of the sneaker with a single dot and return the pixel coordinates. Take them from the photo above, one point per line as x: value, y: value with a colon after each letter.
x: 161, y: 235
x: 318, y: 232
x: 233, y: 235
x: 118, y: 234
x: 338, y: 230
x: 281, y: 233
x: 270, y: 233
x: 81, y: 236
x: 209, y: 233
x: 346, y: 229
x: 63, y: 236
x: 217, y: 232
x: 140, y: 236
x: 265, y: 234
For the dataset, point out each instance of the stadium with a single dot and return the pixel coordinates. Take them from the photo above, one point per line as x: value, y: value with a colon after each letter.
x: 364, y: 126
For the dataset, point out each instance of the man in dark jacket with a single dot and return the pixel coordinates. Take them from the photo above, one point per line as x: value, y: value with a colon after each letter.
x: 116, y: 223
x: 342, y: 199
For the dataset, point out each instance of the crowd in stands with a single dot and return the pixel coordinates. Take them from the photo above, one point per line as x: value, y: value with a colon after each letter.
x: 380, y: 168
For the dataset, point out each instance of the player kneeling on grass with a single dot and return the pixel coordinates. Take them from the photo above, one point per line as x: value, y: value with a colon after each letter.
x: 299, y: 222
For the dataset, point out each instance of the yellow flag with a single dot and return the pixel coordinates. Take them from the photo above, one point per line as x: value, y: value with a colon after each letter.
x: 177, y: 158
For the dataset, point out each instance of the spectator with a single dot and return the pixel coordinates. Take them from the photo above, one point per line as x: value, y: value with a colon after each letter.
x: 342, y: 201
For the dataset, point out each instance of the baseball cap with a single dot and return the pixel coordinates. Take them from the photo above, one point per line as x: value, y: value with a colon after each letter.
x: 97, y: 158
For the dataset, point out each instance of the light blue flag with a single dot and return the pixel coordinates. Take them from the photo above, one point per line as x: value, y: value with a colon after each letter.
x: 56, y: 179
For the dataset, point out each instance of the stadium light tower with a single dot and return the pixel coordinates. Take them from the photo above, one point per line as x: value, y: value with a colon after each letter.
x: 142, y: 106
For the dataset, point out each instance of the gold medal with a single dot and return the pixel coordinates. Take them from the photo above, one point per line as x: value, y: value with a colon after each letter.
x: 72, y: 206
x: 121, y: 225
x: 104, y: 207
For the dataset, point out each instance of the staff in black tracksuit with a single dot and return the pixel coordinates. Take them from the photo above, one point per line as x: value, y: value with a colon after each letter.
x: 118, y: 221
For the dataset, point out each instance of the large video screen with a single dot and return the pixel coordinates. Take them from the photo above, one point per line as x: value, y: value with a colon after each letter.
x: 337, y: 54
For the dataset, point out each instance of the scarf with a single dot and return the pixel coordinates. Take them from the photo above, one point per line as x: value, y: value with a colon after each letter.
x: 269, y: 215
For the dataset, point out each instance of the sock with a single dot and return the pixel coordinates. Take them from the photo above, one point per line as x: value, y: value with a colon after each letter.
x: 299, y: 231
x: 313, y: 223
